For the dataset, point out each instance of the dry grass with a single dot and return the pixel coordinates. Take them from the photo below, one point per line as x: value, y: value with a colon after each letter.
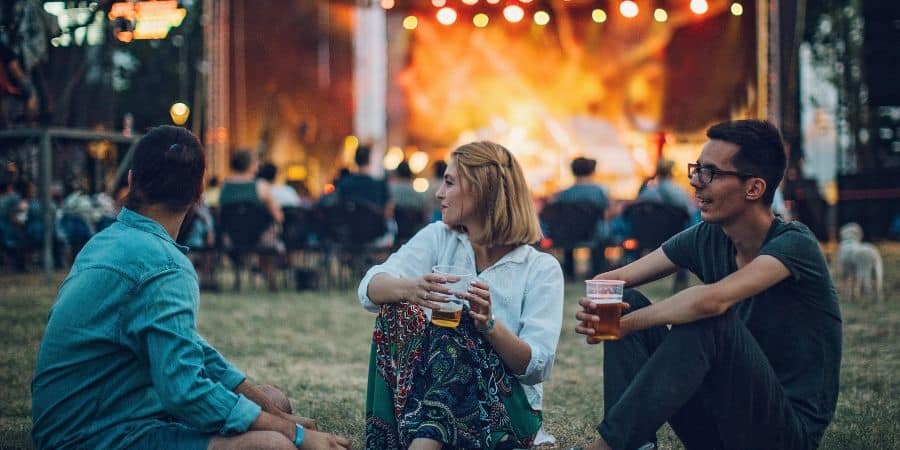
x: 315, y: 346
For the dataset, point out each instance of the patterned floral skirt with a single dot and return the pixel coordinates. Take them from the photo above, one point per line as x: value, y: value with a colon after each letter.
x: 444, y: 384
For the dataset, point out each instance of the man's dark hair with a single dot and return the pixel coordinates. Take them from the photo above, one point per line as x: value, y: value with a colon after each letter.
x: 267, y: 172
x: 403, y: 171
x: 760, y: 150
x: 241, y: 160
x: 582, y: 167
x: 167, y: 168
x: 363, y: 154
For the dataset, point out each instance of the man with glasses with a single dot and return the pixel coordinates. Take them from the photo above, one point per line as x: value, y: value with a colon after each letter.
x: 753, y: 354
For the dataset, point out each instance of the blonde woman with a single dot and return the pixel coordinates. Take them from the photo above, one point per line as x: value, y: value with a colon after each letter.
x: 477, y: 385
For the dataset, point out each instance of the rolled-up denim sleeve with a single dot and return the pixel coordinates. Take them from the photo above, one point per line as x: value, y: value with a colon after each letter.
x: 541, y: 319
x: 218, y: 368
x: 413, y: 259
x: 177, y: 358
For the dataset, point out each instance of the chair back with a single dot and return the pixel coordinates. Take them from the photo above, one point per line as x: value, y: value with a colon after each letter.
x: 652, y: 223
x: 570, y: 224
x: 409, y: 221
x: 244, y: 223
x: 352, y: 223
x: 297, y: 227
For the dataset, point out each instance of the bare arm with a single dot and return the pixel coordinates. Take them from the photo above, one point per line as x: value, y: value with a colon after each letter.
x: 651, y: 267
x: 264, y: 190
x: 700, y: 302
x: 385, y: 288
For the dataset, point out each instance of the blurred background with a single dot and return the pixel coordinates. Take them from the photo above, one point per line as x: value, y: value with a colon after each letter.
x: 302, y: 84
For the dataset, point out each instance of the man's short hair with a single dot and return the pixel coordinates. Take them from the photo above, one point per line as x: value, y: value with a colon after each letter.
x: 664, y: 168
x: 363, y: 154
x: 241, y: 160
x: 167, y: 168
x: 760, y: 150
x: 403, y: 171
x: 582, y: 167
x: 268, y: 171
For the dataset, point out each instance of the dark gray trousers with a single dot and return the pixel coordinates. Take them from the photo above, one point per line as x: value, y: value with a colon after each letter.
x: 709, y: 379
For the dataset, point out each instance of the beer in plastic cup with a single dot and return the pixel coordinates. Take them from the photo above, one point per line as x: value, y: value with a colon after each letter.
x: 450, y: 313
x: 605, y: 297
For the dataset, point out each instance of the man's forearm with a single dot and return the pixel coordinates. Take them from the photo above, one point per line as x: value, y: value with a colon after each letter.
x: 257, y: 396
x: 689, y: 305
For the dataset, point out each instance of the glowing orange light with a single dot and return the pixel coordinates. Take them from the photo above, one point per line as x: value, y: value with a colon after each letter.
x: 410, y: 22
x: 125, y: 36
x: 470, y: 2
x: 737, y: 9
x: 699, y: 6
x: 629, y: 9
x: 446, y: 16
x: 541, y: 18
x: 493, y: 2
x: 481, y: 20
x: 513, y: 13
x: 660, y: 15
x: 546, y: 243
x: 438, y: 3
x: 598, y: 15
x: 630, y: 244
x: 328, y: 189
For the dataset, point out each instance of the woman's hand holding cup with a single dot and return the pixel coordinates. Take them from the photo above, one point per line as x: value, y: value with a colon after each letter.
x: 428, y: 291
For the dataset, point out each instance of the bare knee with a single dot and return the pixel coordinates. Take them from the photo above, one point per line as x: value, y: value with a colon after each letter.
x: 281, y: 401
x: 252, y: 440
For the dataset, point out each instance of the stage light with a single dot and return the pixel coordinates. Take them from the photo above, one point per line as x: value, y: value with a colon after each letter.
x: 420, y: 184
x: 470, y: 2
x: 418, y: 161
x: 513, y: 13
x: 179, y: 113
x: 393, y: 158
x: 629, y: 9
x: 387, y: 4
x: 446, y: 16
x: 660, y: 15
x: 439, y: 3
x: 598, y: 15
x: 481, y: 20
x: 737, y: 9
x: 541, y: 18
x: 525, y: 1
x: 493, y: 2
x: 699, y: 6
x: 410, y: 22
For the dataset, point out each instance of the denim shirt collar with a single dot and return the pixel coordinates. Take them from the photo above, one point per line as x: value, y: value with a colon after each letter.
x: 133, y: 219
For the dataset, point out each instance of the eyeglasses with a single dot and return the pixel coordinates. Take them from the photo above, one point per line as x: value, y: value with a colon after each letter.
x: 706, y: 173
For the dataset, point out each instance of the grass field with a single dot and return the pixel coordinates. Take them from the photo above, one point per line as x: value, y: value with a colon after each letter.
x: 315, y: 346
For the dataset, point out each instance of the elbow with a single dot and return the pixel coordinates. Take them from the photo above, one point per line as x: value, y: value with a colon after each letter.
x: 536, y: 371
x: 710, y: 305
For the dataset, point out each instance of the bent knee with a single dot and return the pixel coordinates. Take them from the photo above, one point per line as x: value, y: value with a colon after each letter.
x: 273, y: 393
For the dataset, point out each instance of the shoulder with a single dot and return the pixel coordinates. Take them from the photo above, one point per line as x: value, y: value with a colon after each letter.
x: 794, y: 236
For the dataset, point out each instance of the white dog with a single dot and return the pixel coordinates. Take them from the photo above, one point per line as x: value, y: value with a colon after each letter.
x: 859, y: 268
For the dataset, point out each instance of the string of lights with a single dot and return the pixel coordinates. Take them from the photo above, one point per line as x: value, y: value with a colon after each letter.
x: 482, y: 12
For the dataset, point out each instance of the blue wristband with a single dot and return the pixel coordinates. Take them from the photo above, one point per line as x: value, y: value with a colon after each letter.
x: 298, y: 439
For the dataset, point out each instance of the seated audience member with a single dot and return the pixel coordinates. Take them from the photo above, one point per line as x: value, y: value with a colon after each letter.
x: 478, y: 385
x: 586, y: 190
x: 243, y: 186
x: 284, y: 195
x: 438, y: 168
x: 664, y: 190
x: 752, y: 359
x: 121, y: 363
x: 401, y: 191
x: 361, y: 187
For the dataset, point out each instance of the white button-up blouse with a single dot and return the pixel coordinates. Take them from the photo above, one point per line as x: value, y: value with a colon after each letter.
x: 526, y: 291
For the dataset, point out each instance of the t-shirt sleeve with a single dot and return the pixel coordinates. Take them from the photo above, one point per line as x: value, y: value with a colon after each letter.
x: 682, y: 250
x: 797, y: 251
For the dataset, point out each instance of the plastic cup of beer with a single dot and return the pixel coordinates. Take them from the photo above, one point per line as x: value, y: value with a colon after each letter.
x: 450, y: 313
x: 605, y: 297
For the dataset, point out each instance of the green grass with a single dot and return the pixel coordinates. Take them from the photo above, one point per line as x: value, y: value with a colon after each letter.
x: 315, y: 347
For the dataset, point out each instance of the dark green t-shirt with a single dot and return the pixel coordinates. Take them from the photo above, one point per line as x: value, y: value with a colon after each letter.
x: 797, y: 322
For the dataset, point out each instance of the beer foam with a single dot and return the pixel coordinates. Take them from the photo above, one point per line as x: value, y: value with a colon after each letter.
x: 451, y: 306
x: 605, y: 299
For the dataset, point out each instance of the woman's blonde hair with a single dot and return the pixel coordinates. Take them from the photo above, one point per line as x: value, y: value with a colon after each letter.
x: 504, y: 203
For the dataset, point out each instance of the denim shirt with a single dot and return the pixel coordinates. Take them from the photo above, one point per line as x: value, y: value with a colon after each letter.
x: 526, y: 292
x: 121, y: 351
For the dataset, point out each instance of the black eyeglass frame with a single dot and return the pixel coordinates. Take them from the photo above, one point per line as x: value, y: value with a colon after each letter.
x: 699, y: 169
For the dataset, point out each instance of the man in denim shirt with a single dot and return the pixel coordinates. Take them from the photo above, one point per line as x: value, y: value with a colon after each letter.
x: 121, y: 364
